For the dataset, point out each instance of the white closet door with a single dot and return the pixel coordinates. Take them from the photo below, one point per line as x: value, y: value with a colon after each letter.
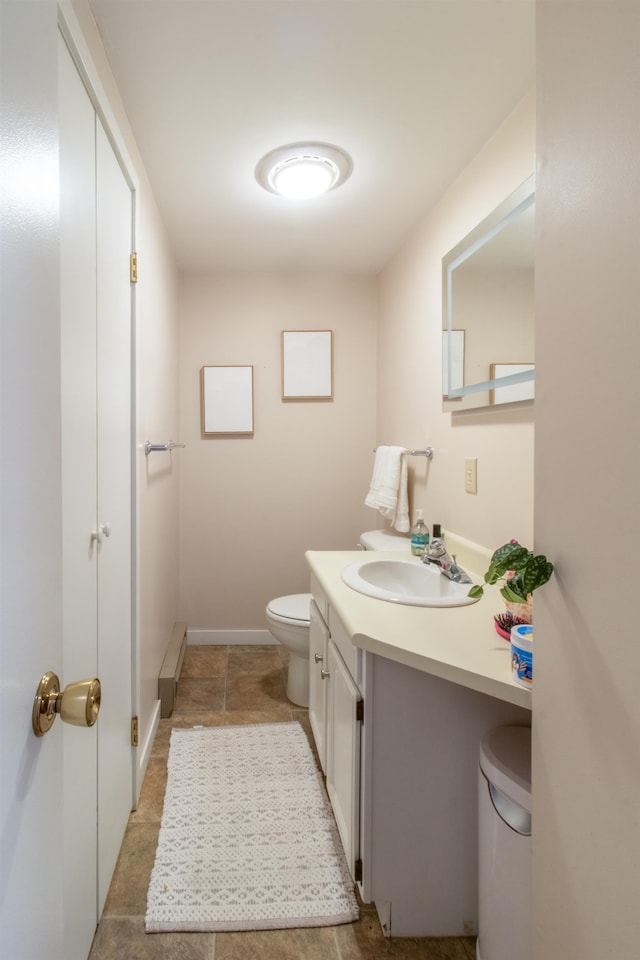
x: 114, y: 234
x: 96, y: 231
x: 79, y: 478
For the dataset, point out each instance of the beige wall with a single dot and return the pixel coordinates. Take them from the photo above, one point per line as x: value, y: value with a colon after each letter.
x: 409, y: 398
x: 157, y: 420
x: 156, y: 347
x: 250, y: 507
x: 586, y: 773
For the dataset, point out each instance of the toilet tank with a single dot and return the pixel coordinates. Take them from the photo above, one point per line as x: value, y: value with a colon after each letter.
x: 384, y: 540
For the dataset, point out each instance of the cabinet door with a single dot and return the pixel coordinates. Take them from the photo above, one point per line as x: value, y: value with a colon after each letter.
x: 343, y: 755
x: 318, y: 643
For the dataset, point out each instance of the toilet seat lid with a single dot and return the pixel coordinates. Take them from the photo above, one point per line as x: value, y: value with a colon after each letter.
x: 294, y: 607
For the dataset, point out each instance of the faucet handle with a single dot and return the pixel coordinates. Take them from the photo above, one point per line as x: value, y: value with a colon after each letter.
x: 430, y: 558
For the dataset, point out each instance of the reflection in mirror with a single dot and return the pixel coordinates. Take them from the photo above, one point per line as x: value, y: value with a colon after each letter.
x: 487, y: 322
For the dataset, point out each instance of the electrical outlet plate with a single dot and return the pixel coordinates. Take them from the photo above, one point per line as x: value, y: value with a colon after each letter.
x: 471, y: 475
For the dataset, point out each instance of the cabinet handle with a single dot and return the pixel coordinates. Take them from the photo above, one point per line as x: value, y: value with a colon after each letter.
x: 318, y: 658
x: 324, y: 674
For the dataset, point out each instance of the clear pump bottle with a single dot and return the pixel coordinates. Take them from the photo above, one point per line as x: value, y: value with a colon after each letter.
x: 419, y: 535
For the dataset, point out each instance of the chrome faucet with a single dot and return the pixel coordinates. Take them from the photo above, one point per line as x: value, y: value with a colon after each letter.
x: 436, y: 553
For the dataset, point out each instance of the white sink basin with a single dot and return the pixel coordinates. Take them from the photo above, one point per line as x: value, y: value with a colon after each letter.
x: 406, y: 581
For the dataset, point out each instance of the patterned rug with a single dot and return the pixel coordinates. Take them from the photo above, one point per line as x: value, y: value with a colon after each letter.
x: 247, y: 839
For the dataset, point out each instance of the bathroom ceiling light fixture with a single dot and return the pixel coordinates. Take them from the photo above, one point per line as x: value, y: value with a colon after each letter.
x: 300, y: 171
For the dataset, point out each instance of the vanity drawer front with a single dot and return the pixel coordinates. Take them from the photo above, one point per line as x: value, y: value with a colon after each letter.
x: 351, y: 655
x: 320, y: 598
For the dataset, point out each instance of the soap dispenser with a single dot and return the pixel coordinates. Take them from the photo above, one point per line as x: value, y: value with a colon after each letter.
x: 419, y: 535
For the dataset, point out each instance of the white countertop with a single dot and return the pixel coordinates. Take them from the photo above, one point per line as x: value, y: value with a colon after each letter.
x: 459, y: 644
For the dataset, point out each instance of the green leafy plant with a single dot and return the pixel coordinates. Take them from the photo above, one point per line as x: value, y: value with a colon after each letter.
x: 522, y: 572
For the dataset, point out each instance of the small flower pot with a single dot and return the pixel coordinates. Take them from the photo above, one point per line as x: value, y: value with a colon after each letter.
x: 524, y: 611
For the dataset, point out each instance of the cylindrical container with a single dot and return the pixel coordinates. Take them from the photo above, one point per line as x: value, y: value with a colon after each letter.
x: 419, y: 535
x: 522, y: 654
x: 504, y: 853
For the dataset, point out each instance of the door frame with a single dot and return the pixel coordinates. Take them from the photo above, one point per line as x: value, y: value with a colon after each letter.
x: 73, y: 36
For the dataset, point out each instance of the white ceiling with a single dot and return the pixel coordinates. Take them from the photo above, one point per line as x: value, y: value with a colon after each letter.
x: 409, y: 88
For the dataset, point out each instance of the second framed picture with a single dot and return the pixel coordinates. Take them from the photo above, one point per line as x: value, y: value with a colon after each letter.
x: 307, y: 365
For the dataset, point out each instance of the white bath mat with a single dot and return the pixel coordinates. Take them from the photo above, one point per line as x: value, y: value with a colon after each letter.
x: 247, y: 839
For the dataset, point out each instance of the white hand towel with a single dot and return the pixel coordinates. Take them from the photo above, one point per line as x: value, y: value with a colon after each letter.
x: 388, y: 492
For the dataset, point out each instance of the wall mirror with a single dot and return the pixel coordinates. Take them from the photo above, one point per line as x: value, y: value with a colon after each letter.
x: 487, y: 314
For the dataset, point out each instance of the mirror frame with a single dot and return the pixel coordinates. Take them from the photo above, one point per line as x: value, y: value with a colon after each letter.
x: 516, y: 203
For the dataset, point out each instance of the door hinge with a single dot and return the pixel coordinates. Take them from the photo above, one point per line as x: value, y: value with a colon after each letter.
x: 134, y: 731
x: 360, y: 711
x: 357, y: 869
x: 133, y: 268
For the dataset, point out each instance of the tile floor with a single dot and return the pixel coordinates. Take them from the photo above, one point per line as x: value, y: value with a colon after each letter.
x: 222, y: 686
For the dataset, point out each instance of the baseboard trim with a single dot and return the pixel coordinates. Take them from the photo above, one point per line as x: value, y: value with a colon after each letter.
x: 144, y: 753
x: 230, y: 637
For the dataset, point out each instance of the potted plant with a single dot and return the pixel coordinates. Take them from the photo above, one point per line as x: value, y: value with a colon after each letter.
x: 522, y: 572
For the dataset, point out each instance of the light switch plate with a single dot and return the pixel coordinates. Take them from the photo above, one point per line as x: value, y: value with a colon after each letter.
x: 471, y: 475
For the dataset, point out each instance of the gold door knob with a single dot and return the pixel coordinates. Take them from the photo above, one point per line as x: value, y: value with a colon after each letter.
x: 78, y: 704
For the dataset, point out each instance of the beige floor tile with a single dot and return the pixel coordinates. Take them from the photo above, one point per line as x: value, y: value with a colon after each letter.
x: 317, y: 943
x: 257, y: 692
x: 198, y: 718
x: 199, y: 693
x: 363, y: 940
x: 469, y: 944
x: 278, y: 713
x: 152, y: 793
x: 202, y: 660
x: 160, y: 746
x: 128, y: 892
x: 254, y: 660
x: 123, y: 938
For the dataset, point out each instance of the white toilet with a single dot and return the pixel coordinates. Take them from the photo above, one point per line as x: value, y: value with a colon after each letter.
x: 288, y: 619
x: 288, y: 622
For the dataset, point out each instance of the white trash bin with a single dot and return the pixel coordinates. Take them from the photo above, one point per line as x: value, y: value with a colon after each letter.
x: 504, y: 854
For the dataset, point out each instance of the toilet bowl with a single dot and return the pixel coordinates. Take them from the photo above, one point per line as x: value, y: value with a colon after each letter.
x: 288, y: 619
x: 288, y: 622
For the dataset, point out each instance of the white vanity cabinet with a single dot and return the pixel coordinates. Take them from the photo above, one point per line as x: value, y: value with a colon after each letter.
x: 401, y: 759
x: 343, y: 729
x: 335, y: 716
x: 318, y: 676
